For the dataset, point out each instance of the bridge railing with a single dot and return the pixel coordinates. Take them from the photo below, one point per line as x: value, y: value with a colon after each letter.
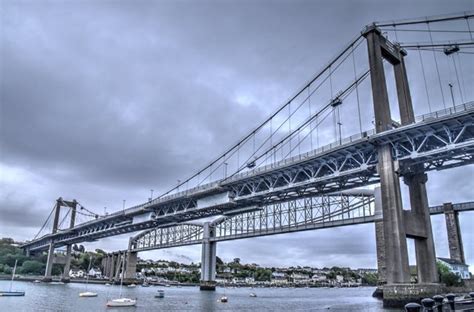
x: 446, y: 112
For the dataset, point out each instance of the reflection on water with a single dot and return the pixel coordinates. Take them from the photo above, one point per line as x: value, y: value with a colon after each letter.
x: 44, y: 297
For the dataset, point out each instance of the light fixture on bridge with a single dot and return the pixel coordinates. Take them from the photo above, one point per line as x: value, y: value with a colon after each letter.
x: 451, y: 49
x: 336, y: 102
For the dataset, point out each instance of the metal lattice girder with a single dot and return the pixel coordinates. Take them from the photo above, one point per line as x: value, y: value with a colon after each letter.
x: 165, y: 237
x: 301, y: 215
x: 440, y: 140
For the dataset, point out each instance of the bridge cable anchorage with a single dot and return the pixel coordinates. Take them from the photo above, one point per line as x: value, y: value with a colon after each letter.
x: 237, y: 146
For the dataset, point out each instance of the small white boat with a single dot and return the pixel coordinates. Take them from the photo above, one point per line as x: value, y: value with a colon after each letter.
x: 36, y: 281
x: 10, y: 292
x: 56, y: 283
x: 223, y: 299
x: 132, y: 286
x: 107, y: 284
x: 253, y: 295
x: 88, y: 294
x: 122, y: 302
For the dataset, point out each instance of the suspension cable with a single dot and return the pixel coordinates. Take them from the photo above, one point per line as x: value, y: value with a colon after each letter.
x: 437, y: 68
x: 45, y: 222
x: 424, y: 79
x: 357, y: 89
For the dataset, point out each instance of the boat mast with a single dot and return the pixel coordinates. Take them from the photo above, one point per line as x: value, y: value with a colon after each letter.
x: 13, y: 275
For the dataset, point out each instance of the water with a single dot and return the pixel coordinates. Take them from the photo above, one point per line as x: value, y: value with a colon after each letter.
x: 45, y: 297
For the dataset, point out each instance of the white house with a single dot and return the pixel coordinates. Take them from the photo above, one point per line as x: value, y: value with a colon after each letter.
x: 300, y: 278
x: 456, y: 267
x: 75, y: 273
x: 95, y: 272
x: 279, y: 278
x: 319, y: 278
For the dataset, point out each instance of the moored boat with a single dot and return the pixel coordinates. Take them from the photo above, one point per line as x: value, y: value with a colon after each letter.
x: 223, y: 299
x: 160, y: 294
x: 253, y: 294
x: 88, y: 294
x: 122, y: 302
x: 9, y: 292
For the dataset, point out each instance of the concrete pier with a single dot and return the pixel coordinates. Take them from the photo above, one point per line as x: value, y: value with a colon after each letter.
x: 456, y: 249
x: 208, y: 259
x: 131, y: 266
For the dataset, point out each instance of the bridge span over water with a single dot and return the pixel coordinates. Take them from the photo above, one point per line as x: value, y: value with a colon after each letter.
x: 284, y: 181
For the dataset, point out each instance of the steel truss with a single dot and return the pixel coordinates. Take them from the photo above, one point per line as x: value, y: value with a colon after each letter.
x: 440, y: 140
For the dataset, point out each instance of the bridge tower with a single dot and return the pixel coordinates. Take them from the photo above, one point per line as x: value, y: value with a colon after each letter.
x: 51, y: 259
x: 456, y: 249
x: 398, y: 224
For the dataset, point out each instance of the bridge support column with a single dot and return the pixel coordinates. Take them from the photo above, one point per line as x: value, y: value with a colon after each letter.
x: 67, y: 265
x: 208, y: 259
x: 397, y: 223
x: 118, y: 268
x: 49, y: 264
x: 419, y: 218
x: 380, y: 244
x: 456, y: 249
x: 131, y: 265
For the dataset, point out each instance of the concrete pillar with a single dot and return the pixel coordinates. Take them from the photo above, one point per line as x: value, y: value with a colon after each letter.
x: 416, y: 182
x: 394, y: 233
x: 379, y: 239
x: 118, y: 268
x: 131, y: 265
x: 208, y: 259
x: 113, y: 261
x: 49, y: 264
x: 424, y: 246
x: 67, y: 265
x: 456, y: 249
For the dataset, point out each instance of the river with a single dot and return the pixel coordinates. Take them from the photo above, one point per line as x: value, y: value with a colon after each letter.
x: 47, y: 297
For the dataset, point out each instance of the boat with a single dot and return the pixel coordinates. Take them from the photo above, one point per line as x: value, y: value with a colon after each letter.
x: 145, y: 285
x: 253, y: 294
x: 121, y: 301
x: 87, y: 294
x: 36, y: 281
x: 223, y: 299
x: 107, y: 284
x: 11, y: 293
x: 132, y: 286
x: 56, y: 283
x: 160, y: 294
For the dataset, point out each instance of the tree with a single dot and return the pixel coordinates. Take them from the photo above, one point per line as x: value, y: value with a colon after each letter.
x: 447, y: 277
x: 237, y: 260
x: 32, y: 267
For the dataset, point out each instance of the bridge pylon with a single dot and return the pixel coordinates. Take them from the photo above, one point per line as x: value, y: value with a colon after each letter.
x: 398, y: 224
x: 208, y: 258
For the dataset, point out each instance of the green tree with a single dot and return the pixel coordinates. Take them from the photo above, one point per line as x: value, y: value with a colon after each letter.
x: 447, y: 277
x: 32, y: 267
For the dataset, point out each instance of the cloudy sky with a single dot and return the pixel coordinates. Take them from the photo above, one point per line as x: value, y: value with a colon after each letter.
x: 102, y: 101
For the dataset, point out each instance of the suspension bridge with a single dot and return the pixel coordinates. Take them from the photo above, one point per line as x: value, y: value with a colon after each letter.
x: 314, y: 162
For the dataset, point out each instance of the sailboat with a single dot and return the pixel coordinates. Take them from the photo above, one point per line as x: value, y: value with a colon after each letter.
x: 122, y: 302
x: 223, y: 298
x: 10, y: 292
x: 88, y: 293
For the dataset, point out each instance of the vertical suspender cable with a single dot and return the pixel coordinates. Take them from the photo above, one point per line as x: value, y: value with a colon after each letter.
x: 457, y: 77
x: 424, y: 79
x: 469, y: 28
x: 311, y: 124
x: 437, y: 68
x: 462, y: 75
x: 396, y: 34
x: 357, y: 89
x: 289, y: 122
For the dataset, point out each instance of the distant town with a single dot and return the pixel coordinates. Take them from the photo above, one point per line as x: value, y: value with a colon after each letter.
x: 88, y: 264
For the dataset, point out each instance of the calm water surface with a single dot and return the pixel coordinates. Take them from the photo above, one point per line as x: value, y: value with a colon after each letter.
x: 45, y: 297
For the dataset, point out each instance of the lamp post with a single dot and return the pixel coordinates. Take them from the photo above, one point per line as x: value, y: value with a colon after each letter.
x: 452, y: 94
x: 123, y: 206
x: 225, y: 170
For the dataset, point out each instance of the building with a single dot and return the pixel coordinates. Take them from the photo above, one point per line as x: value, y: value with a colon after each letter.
x: 300, y: 278
x: 456, y: 267
x: 75, y: 273
x: 279, y: 278
x: 95, y: 272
